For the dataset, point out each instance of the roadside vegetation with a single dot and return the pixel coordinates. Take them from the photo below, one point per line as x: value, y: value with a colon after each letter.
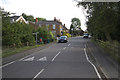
x: 17, y: 37
x: 75, y: 29
x: 103, y: 24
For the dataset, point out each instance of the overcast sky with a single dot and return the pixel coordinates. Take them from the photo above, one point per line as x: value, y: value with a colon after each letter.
x: 64, y: 10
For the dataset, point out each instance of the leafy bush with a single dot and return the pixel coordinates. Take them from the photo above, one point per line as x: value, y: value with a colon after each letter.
x: 16, y: 34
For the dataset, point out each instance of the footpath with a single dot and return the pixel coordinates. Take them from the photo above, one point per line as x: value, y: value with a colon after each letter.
x: 107, y: 65
x: 23, y: 54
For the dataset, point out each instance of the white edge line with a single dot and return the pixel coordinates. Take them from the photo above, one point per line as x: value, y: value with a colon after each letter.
x: 7, y: 64
x: 17, y: 60
x: 92, y: 64
x: 38, y: 74
x: 55, y: 56
x: 14, y: 61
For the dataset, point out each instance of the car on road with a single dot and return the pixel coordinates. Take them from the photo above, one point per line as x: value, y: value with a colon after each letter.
x: 85, y: 35
x: 63, y: 39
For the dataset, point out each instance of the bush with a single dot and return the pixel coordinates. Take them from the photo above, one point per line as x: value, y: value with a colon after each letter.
x: 15, y: 34
x: 45, y: 35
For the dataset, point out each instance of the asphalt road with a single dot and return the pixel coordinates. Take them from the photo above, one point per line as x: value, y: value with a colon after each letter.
x: 60, y: 60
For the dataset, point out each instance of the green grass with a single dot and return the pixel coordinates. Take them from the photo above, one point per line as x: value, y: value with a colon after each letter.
x: 11, y: 51
x: 110, y: 49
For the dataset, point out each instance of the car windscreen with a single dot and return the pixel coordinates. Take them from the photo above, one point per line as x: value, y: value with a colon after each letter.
x: 62, y: 37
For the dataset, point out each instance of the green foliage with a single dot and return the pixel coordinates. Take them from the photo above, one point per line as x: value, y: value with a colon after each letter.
x: 75, y: 28
x: 76, y: 22
x: 66, y: 34
x: 41, y: 19
x: 17, y: 34
x: 45, y: 34
x: 103, y: 20
x: 28, y: 17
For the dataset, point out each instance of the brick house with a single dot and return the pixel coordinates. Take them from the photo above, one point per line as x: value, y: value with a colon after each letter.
x: 54, y: 26
x: 65, y: 29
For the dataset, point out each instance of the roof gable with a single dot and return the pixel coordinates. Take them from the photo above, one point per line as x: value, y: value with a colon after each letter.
x: 17, y: 18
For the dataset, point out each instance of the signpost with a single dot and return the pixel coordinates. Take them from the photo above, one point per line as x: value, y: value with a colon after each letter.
x: 36, y: 36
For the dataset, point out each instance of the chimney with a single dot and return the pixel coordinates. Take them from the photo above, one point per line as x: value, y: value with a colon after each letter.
x: 54, y: 18
x: 64, y: 24
x: 36, y: 19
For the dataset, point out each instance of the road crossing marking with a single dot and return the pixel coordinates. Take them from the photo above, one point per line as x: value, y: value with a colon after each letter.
x: 38, y: 74
x: 92, y: 64
x: 42, y: 59
x: 29, y: 59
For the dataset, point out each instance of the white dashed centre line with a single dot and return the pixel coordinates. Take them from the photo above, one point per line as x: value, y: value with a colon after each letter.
x: 38, y: 74
x: 69, y: 44
x: 64, y: 48
x: 56, y: 56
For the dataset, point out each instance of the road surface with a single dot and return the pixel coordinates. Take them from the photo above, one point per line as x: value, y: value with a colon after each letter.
x: 60, y: 60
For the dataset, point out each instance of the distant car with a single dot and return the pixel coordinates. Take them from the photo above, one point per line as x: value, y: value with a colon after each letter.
x: 63, y: 39
x: 85, y: 35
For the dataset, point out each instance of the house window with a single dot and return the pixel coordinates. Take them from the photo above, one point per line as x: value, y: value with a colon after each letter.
x: 53, y: 26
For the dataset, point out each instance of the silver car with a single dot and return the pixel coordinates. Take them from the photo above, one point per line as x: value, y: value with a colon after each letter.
x: 63, y: 39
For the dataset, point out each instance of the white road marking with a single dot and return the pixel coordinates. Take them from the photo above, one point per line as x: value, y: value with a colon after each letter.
x: 29, y: 59
x: 23, y: 58
x: 64, y: 48
x: 38, y: 74
x: 42, y: 59
x: 56, y: 56
x: 92, y: 64
x: 69, y: 44
x: 7, y: 64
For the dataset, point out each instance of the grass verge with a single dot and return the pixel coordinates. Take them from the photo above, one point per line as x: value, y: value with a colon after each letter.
x: 111, y: 48
x: 11, y: 51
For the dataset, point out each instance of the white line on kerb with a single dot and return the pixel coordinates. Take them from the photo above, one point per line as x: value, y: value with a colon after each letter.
x: 38, y: 74
x: 56, y: 56
x: 92, y: 64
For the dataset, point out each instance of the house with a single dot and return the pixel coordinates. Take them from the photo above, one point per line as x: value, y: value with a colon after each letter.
x: 65, y: 29
x: 54, y: 26
x: 18, y: 19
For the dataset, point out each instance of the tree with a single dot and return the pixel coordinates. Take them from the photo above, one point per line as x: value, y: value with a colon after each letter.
x: 103, y: 20
x: 76, y: 23
x: 75, y: 26
x: 28, y: 17
x: 41, y: 19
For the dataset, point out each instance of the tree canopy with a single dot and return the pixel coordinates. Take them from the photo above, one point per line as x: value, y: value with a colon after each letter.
x: 103, y: 19
x: 75, y: 28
